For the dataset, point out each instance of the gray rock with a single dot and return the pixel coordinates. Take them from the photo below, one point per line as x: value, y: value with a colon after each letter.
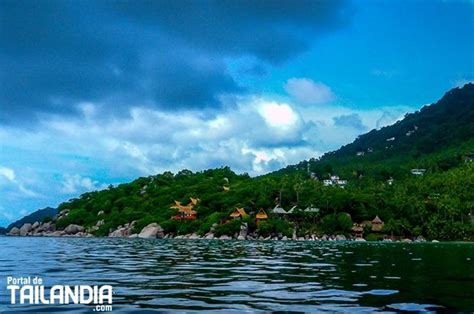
x: 406, y: 240
x: 194, y: 236
x: 285, y: 238
x: 73, y: 229
x: 25, y: 229
x: 224, y: 237
x: 151, y: 231
x: 58, y: 233
x: 46, y: 227
x: 35, y: 225
x: 209, y: 236
x: 340, y: 237
x: 14, y: 231
x: 360, y: 239
x: 135, y: 235
x: 119, y: 233
x: 434, y: 241
x: 244, y: 229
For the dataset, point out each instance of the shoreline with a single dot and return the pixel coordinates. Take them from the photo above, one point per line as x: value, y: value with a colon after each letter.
x: 236, y: 240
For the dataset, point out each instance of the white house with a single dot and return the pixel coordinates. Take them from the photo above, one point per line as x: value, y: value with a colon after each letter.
x: 418, y: 172
x: 335, y: 180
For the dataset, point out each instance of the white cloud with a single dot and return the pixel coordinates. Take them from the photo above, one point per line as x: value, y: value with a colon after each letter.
x: 7, y: 173
x: 308, y: 92
x: 73, y: 184
x: 12, y: 187
x: 278, y: 115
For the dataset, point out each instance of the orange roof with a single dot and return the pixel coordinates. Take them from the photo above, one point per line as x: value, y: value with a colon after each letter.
x: 238, y: 212
x: 194, y: 201
x: 261, y: 214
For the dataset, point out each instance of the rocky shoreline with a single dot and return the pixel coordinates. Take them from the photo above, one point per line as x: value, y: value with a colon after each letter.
x: 154, y: 231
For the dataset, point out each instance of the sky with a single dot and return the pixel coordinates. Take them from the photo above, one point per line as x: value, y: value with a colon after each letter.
x: 94, y: 93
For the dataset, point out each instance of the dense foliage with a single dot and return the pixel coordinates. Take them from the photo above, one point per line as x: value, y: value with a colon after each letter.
x: 438, y: 204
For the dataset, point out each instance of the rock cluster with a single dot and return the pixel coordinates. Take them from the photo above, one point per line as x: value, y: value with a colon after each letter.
x: 155, y: 231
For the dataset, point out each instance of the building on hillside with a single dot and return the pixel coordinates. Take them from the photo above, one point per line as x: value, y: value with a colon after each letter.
x: 238, y: 213
x: 390, y: 181
x: 360, y: 153
x: 311, y: 209
x: 335, y: 181
x: 185, y: 212
x: 279, y: 210
x: 377, y: 224
x: 358, y: 230
x: 261, y: 215
x: 418, y: 172
x: 226, y: 188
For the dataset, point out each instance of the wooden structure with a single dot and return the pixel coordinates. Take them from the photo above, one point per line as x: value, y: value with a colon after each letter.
x: 261, y: 215
x: 238, y: 213
x: 185, y: 212
x: 358, y: 230
x: 377, y: 224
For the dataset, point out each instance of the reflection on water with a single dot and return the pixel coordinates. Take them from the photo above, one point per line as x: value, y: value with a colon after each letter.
x: 248, y: 276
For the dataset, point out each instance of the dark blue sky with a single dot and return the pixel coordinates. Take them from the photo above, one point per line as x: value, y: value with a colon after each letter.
x: 100, y: 92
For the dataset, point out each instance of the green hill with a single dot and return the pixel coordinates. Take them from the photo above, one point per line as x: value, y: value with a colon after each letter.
x: 439, y: 139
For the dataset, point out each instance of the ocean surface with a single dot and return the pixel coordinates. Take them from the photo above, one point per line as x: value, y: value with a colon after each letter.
x: 223, y: 276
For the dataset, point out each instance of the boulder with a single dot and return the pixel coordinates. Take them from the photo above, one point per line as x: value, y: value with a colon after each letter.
x: 294, y: 237
x: 244, y: 229
x: 25, y: 229
x: 340, y: 237
x: 119, y: 233
x: 224, y: 237
x: 73, y: 229
x: 133, y: 235
x: 57, y: 234
x: 406, y: 240
x: 194, y: 236
x: 360, y: 239
x: 209, y: 236
x: 35, y: 225
x: 46, y: 227
x: 151, y: 231
x: 434, y: 241
x: 14, y: 231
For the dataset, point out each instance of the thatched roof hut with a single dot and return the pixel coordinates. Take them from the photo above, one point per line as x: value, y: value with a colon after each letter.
x: 261, y: 214
x: 238, y: 213
x: 377, y: 224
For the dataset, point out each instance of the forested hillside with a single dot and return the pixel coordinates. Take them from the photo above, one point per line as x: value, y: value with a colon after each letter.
x: 416, y: 175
